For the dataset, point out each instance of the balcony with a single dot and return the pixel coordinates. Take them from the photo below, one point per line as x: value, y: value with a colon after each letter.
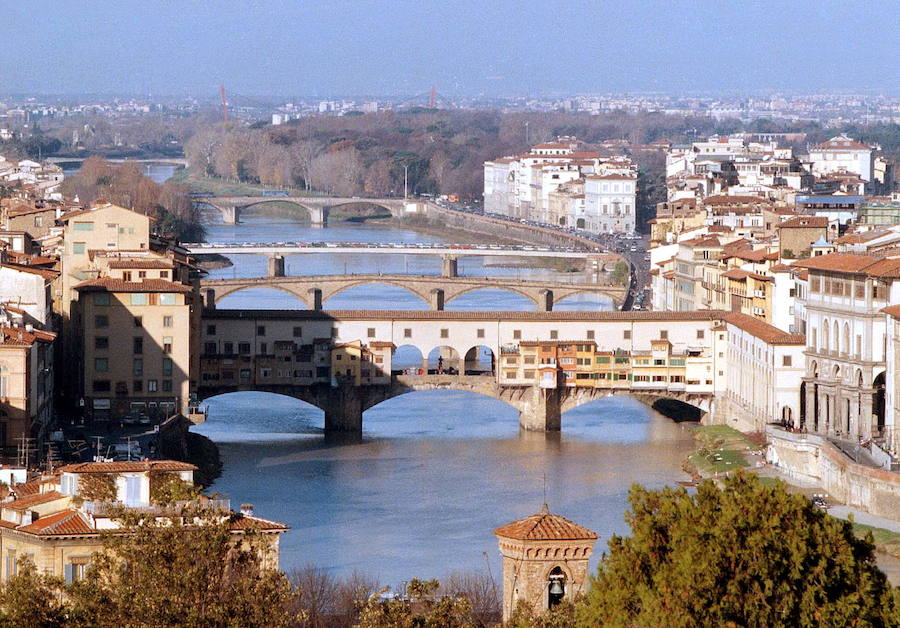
x: 105, y: 509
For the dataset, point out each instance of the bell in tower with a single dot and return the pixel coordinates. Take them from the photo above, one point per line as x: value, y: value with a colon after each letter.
x: 545, y: 560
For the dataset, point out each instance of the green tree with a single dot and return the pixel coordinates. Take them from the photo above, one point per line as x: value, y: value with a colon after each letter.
x: 742, y: 555
x: 187, y: 572
x: 421, y: 607
x: 31, y: 599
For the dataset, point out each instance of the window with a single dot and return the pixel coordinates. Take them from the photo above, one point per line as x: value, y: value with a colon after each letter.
x: 700, y: 334
x: 101, y: 320
x: 298, y: 332
x: 554, y: 334
x: 78, y: 248
x: 126, y: 275
x: 785, y: 360
x: 138, y: 321
x: 84, y: 226
x: 210, y: 348
x: 445, y: 333
x: 210, y: 330
x: 152, y: 385
x: 137, y: 345
x: 260, y: 330
x: 407, y: 332
x: 101, y: 365
x: 75, y: 569
x: 101, y: 298
x: 479, y: 333
x: 664, y: 334
x: 590, y: 334
x: 262, y: 348
x: 163, y: 274
x: 137, y: 385
x: 101, y: 342
x: 167, y: 344
x: 168, y: 298
x: 517, y: 334
x: 370, y: 332
x: 101, y: 385
x: 243, y: 348
x: 167, y: 385
x: 626, y: 334
x: 142, y: 274
x: 138, y: 367
x: 228, y: 350
x: 245, y: 373
x: 167, y: 321
x: 138, y: 298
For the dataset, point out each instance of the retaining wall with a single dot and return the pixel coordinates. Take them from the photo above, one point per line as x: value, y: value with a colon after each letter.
x: 811, y: 457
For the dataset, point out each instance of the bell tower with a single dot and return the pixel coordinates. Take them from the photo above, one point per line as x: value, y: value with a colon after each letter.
x: 545, y: 560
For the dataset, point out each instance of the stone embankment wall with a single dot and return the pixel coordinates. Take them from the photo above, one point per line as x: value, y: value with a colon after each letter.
x: 811, y: 457
x: 485, y: 225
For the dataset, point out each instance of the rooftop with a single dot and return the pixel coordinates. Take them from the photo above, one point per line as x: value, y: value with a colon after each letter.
x: 125, y: 467
x: 545, y: 526
x: 764, y: 331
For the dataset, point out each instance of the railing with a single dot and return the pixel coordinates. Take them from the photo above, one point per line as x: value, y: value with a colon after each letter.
x: 106, y: 508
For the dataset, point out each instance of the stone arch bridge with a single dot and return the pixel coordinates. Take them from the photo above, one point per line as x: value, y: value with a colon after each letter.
x: 540, y: 409
x: 317, y: 206
x: 434, y: 290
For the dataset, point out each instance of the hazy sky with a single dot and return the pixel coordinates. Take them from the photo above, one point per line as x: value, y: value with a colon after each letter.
x: 498, y: 47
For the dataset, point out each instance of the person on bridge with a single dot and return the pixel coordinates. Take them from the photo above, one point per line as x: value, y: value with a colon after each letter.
x: 440, y: 365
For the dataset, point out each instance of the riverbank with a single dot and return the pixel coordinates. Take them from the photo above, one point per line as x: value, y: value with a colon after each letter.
x: 721, y: 450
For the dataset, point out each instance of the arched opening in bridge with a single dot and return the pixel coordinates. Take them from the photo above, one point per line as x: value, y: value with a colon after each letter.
x: 358, y: 212
x: 585, y: 302
x: 407, y: 360
x: 489, y: 299
x: 620, y: 419
x: 274, y: 209
x: 261, y: 299
x: 480, y: 360
x: 440, y: 413
x: 677, y: 410
x: 258, y: 416
x: 444, y: 360
x: 375, y: 296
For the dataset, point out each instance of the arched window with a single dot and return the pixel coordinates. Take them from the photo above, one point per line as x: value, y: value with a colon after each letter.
x: 556, y: 587
x: 846, y: 345
x: 825, y: 345
x: 836, y: 338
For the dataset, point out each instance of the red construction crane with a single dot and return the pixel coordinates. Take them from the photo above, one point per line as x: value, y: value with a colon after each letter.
x: 224, y: 103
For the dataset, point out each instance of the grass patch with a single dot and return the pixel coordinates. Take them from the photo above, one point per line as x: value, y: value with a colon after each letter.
x: 223, y: 187
x: 720, y: 449
x: 886, y: 541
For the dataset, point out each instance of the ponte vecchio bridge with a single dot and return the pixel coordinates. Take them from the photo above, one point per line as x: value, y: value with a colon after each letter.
x: 541, y: 363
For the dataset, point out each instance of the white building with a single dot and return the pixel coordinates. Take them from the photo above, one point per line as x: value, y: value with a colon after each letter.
x: 610, y: 201
x: 842, y: 154
x: 765, y: 369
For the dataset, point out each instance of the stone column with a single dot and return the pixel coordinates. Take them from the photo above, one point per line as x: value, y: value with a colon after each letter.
x: 437, y: 299
x: 540, y: 411
x: 865, y: 414
x: 315, y: 298
x: 854, y: 415
x: 810, y: 408
x: 546, y: 301
x: 276, y: 265
x: 210, y: 298
x: 449, y: 266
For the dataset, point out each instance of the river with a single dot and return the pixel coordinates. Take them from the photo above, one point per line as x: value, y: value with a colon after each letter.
x: 435, y: 471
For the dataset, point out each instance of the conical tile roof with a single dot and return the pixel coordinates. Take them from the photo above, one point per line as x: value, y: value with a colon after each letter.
x: 545, y: 526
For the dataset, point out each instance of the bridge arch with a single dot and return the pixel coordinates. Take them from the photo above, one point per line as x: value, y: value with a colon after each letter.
x: 375, y: 282
x: 534, y: 299
x: 226, y: 291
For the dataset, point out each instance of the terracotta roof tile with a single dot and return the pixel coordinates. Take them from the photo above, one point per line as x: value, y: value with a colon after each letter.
x: 29, y: 501
x: 64, y: 523
x: 413, y: 315
x: 243, y: 522
x: 21, y: 337
x: 125, y: 467
x: 807, y: 222
x: 140, y: 263
x: 545, y: 526
x: 853, y: 263
x: 762, y: 330
x: 109, y: 284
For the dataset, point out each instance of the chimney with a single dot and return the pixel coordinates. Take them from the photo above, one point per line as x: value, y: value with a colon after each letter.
x: 247, y: 510
x: 29, y: 327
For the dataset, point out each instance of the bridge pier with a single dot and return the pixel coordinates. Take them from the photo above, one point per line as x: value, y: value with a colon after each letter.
x: 541, y: 410
x: 449, y: 266
x: 276, y: 265
x: 230, y: 215
x: 343, y: 410
x: 315, y: 298
x: 437, y: 299
x: 546, y: 303
x: 318, y: 216
x: 211, y: 298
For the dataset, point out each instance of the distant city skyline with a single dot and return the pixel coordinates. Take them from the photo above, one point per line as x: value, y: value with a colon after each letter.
x: 342, y: 49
